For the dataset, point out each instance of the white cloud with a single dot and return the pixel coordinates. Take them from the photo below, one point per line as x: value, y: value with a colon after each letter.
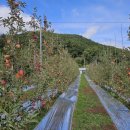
x: 112, y: 43
x: 4, y: 13
x: 91, y: 31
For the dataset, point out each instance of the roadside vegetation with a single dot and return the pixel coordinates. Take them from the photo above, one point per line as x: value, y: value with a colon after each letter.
x: 89, y: 113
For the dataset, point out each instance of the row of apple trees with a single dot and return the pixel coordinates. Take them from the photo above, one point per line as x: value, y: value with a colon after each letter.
x: 30, y: 80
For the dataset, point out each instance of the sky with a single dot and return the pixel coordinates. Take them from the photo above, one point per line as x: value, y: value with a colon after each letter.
x: 104, y: 21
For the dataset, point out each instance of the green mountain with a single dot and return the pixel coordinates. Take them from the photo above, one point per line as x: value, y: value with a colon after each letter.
x: 79, y: 47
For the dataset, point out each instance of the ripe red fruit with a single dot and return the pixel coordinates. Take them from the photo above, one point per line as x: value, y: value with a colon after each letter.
x: 18, y: 45
x: 35, y: 37
x: 18, y: 76
x: 3, y: 82
x: 43, y: 103
x: 7, y: 61
x: 21, y: 72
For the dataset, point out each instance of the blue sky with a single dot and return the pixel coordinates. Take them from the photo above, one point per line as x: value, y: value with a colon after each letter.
x: 91, y: 18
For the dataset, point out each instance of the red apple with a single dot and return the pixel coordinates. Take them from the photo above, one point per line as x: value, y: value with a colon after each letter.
x: 3, y: 82
x: 21, y: 72
x: 18, y: 45
x: 35, y: 37
x: 7, y: 61
x: 43, y: 103
x: 18, y: 76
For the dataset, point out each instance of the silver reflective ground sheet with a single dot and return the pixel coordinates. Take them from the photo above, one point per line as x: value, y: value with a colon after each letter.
x: 60, y: 115
x: 117, y: 111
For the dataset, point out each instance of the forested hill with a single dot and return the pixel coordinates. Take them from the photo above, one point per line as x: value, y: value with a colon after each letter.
x: 82, y: 48
x: 78, y: 46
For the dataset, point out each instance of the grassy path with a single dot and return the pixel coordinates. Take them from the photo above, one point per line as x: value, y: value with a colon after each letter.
x: 89, y: 113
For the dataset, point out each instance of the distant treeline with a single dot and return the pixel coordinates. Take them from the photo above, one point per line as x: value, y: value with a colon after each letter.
x: 83, y: 50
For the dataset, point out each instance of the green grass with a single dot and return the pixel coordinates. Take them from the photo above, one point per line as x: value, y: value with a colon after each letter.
x: 84, y: 118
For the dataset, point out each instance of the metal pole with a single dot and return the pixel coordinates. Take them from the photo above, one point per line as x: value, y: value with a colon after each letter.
x: 122, y: 40
x: 122, y: 45
x: 84, y: 61
x: 41, y: 43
